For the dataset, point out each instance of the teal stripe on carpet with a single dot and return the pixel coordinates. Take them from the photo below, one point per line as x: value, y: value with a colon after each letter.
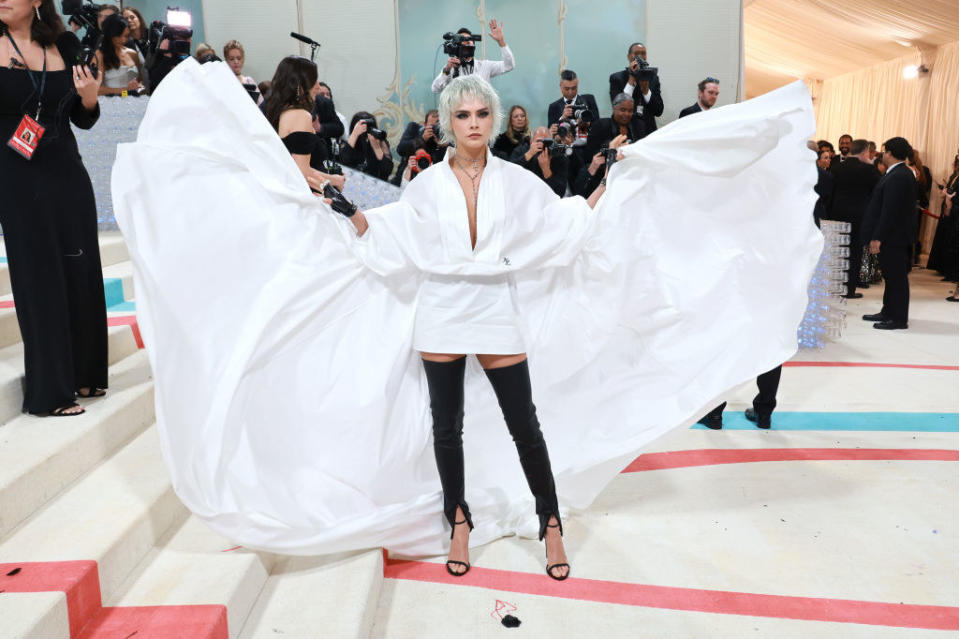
x: 889, y: 422
x: 123, y: 307
x: 113, y: 291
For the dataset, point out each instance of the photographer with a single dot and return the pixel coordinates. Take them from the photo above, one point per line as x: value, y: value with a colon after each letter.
x: 708, y: 94
x: 642, y: 85
x: 418, y: 136
x: 622, y: 123
x: 366, y: 149
x: 579, y: 111
x: 465, y: 64
x: 538, y: 157
x: 591, y: 176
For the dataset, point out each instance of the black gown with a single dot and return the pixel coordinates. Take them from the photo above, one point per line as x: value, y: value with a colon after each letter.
x: 49, y: 221
x: 940, y: 255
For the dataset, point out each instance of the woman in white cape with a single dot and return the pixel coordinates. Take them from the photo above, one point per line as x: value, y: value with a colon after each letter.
x: 291, y: 396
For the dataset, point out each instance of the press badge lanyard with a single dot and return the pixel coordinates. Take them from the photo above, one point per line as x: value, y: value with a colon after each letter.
x: 27, y: 136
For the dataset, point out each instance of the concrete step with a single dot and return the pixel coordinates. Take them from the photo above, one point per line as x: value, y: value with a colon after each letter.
x: 113, y: 516
x: 34, y: 615
x: 39, y: 457
x: 121, y: 344
x: 121, y: 273
x: 9, y: 329
x: 195, y: 566
x: 329, y: 596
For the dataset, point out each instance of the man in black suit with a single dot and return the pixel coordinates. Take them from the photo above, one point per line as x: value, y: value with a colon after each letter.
x: 416, y: 136
x: 708, y: 94
x: 536, y: 158
x: 572, y: 102
x: 853, y: 182
x: 890, y: 226
x: 605, y: 130
x: 646, y: 93
x: 845, y: 144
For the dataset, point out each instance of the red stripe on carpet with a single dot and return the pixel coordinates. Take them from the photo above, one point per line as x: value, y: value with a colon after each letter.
x: 79, y: 580
x: 7, y: 304
x: 929, y: 367
x: 127, y: 320
x: 159, y: 622
x: 691, y: 599
x: 713, y: 457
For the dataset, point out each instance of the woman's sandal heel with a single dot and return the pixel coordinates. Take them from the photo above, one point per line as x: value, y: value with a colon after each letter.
x: 452, y: 562
x: 550, y: 569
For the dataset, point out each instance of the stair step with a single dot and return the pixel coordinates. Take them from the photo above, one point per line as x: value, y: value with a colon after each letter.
x: 195, y: 565
x: 34, y: 615
x: 9, y: 329
x: 164, y: 622
x: 113, y: 516
x: 118, y: 283
x: 39, y: 457
x: 329, y: 596
x: 113, y: 249
x: 121, y: 344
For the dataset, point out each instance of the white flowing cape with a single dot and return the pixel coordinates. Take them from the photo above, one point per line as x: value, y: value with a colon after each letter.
x: 292, y: 410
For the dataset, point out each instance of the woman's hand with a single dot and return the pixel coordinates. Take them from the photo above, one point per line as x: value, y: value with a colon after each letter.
x: 86, y: 85
x: 357, y: 131
x: 338, y: 181
x: 599, y: 160
x: 618, y: 141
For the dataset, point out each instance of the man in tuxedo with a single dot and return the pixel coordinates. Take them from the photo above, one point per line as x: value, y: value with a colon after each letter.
x: 426, y: 136
x: 890, y: 227
x: 647, y: 94
x: 853, y: 182
x: 605, y: 130
x: 845, y: 144
x: 708, y: 94
x: 564, y: 109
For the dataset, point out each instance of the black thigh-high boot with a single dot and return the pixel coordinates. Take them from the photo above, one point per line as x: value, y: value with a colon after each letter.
x: 445, y: 381
x: 515, y: 396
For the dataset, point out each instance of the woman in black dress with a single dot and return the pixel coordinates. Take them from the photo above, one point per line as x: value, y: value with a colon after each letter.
x: 49, y: 214
x: 517, y: 132
x: 289, y: 108
x: 939, y: 254
x: 364, y: 152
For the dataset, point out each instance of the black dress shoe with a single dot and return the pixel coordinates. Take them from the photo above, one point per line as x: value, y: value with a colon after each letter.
x: 714, y: 423
x: 889, y: 325
x: 762, y: 421
x: 952, y: 298
x: 875, y: 317
x: 853, y: 296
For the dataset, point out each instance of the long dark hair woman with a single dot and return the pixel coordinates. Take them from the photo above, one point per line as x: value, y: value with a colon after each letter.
x: 120, y: 64
x: 289, y: 108
x: 49, y: 213
x: 364, y: 151
x: 517, y: 132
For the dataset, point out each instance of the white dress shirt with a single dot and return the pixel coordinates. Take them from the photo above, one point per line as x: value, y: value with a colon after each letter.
x: 485, y: 69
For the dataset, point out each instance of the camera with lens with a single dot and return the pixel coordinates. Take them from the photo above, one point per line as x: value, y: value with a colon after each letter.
x: 87, y: 15
x: 581, y: 113
x: 379, y: 134
x: 556, y: 150
x: 332, y: 168
x: 611, y: 155
x: 645, y: 72
x: 453, y: 45
x: 423, y: 161
x: 564, y: 129
x: 178, y: 30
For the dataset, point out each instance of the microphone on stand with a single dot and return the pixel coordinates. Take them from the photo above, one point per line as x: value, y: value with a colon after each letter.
x: 314, y: 45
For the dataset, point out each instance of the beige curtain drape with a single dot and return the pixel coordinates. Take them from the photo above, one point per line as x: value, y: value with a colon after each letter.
x: 877, y: 103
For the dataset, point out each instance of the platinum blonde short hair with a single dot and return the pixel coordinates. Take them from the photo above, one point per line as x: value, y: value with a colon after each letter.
x: 456, y: 92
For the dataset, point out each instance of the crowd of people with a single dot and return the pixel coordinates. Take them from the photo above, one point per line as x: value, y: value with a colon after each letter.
x: 851, y: 186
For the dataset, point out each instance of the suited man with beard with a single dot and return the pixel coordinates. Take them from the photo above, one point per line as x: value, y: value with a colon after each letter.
x: 708, y: 94
x: 890, y: 227
x: 853, y: 182
x: 647, y: 94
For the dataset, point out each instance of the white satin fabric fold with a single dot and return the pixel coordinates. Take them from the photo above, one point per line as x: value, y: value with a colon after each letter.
x: 292, y: 407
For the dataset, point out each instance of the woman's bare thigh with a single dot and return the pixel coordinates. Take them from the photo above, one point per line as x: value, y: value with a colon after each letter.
x: 488, y: 362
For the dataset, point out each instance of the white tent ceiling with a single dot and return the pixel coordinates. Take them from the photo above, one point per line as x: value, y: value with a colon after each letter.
x: 820, y: 39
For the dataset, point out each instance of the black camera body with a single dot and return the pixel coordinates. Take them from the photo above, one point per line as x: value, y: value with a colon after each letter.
x: 581, y: 113
x: 87, y: 15
x: 611, y: 154
x: 179, y: 38
x: 371, y: 129
x: 645, y: 72
x: 453, y: 45
x: 332, y: 168
x: 564, y: 129
x: 556, y: 150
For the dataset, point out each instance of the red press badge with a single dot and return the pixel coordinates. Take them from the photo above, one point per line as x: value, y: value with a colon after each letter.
x: 27, y: 136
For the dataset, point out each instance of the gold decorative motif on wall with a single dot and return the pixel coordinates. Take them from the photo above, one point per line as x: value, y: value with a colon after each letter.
x: 563, y: 61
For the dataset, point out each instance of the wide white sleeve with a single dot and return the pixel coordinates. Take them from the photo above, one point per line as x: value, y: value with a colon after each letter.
x: 495, y: 68
x: 400, y: 238
x: 440, y: 82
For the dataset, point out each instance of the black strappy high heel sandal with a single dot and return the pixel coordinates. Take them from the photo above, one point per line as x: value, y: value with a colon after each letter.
x: 452, y: 562
x: 550, y: 569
